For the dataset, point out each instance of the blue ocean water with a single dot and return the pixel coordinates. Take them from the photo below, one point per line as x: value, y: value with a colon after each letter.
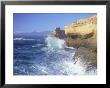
x: 44, y: 56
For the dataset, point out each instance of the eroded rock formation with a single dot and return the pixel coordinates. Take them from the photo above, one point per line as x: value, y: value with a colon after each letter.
x: 59, y: 33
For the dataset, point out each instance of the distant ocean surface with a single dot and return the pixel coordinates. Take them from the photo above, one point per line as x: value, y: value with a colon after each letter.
x: 44, y: 56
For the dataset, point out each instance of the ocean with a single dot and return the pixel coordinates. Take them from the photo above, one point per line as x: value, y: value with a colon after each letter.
x: 44, y: 56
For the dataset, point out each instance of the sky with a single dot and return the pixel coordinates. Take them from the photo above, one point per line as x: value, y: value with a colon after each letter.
x: 38, y: 22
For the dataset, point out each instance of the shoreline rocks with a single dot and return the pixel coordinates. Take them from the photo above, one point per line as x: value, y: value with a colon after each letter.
x: 87, y: 57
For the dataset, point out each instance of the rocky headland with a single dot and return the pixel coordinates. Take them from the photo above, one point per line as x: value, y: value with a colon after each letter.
x: 81, y: 34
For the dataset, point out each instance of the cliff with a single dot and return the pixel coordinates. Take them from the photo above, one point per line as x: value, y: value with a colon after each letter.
x: 82, y: 33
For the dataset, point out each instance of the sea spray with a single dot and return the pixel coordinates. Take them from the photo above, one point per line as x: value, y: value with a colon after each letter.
x: 67, y: 62
x: 55, y: 43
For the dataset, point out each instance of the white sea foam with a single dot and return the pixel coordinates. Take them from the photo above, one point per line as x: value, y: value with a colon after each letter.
x: 73, y: 69
x: 22, y: 39
x: 37, y: 45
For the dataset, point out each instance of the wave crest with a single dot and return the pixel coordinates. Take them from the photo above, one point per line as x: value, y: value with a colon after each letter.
x: 22, y: 39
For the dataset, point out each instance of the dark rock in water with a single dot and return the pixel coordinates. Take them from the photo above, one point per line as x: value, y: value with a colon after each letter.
x: 87, y: 57
x: 59, y: 33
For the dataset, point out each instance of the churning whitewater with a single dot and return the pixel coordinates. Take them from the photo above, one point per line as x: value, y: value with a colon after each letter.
x: 45, y: 56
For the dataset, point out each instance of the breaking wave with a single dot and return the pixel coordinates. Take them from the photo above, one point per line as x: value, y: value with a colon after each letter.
x: 22, y: 39
x: 55, y: 43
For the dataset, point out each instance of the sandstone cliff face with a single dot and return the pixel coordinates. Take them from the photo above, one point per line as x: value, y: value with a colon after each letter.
x: 82, y: 33
x: 82, y: 27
